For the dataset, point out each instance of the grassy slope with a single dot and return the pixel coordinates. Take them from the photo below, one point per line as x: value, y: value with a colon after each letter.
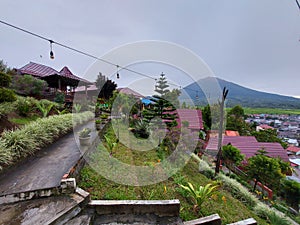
x: 230, y: 210
x: 270, y: 111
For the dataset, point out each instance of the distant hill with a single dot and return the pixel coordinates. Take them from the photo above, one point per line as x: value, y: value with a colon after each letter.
x: 239, y: 95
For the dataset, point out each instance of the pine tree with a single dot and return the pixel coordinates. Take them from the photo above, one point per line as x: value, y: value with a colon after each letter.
x: 161, y: 107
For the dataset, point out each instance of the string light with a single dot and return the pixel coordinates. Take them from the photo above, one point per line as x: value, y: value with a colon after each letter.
x: 118, y: 75
x: 51, y: 52
x: 88, y: 55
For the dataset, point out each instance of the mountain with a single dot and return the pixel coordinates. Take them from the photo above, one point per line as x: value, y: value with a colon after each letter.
x: 237, y: 95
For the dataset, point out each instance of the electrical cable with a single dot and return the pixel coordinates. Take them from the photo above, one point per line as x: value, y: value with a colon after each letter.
x: 90, y: 55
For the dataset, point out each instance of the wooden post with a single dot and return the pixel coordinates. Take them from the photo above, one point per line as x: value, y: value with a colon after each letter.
x: 220, y: 134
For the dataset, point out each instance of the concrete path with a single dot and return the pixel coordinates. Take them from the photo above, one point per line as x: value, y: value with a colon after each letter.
x: 46, y: 168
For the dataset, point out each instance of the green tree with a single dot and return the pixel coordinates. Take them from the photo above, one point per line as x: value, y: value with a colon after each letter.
x: 269, y: 171
x: 268, y: 135
x: 161, y: 106
x: 105, y: 86
x: 28, y: 85
x: 235, y: 121
x: 231, y: 156
x: 291, y: 192
x: 206, y: 116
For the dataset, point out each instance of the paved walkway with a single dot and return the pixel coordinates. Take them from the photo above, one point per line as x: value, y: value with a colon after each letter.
x: 46, y: 168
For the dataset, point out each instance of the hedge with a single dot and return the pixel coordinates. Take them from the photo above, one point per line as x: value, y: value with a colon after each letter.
x: 20, y: 143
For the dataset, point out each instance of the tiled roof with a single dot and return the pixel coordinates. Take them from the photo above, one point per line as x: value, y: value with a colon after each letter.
x: 129, y: 91
x: 89, y: 88
x: 293, y: 149
x: 265, y: 126
x: 38, y: 70
x: 249, y: 146
x: 193, y: 116
x: 231, y: 133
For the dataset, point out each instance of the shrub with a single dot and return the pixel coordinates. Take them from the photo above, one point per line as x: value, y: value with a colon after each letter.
x: 237, y: 190
x: 5, y: 80
x: 59, y: 97
x: 7, y: 95
x: 28, y: 85
x: 274, y: 217
x: 25, y: 105
x: 20, y: 143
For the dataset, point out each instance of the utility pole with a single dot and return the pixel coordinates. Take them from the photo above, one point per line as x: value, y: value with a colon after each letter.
x: 219, y: 154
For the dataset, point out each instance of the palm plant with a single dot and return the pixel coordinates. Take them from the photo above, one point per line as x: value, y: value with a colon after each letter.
x: 200, y: 194
x: 44, y: 108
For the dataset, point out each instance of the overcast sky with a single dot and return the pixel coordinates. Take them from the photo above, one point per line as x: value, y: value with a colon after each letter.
x: 254, y: 43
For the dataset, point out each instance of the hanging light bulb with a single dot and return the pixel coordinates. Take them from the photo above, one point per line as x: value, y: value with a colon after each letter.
x: 51, y: 52
x: 118, y: 75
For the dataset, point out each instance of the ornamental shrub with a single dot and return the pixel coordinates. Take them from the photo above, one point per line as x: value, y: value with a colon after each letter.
x: 28, y: 85
x: 5, y: 80
x: 7, y: 95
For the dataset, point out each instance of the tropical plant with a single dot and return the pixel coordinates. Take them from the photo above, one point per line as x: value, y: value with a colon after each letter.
x: 44, y: 108
x: 141, y: 129
x: 85, y: 132
x: 200, y: 194
x: 110, y: 143
x: 77, y: 108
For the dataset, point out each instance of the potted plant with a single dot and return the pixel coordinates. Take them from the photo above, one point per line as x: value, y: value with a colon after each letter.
x: 98, y: 124
x: 84, y: 136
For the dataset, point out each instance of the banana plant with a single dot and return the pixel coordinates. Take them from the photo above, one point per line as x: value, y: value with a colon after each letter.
x: 200, y: 194
x: 44, y: 108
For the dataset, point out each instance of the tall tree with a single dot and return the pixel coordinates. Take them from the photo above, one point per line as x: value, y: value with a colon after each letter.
x: 291, y: 191
x: 206, y: 116
x: 235, y: 121
x: 162, y: 107
x: 105, y: 86
x: 269, y: 171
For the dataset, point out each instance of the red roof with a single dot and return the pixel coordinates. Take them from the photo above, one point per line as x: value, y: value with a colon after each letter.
x: 293, y: 149
x: 40, y: 70
x: 232, y: 133
x: 249, y: 146
x: 265, y: 126
x: 129, y: 91
x: 193, y: 116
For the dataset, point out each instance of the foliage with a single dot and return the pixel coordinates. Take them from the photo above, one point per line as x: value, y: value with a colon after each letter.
x: 237, y: 190
x: 5, y: 80
x: 235, y: 121
x: 25, y: 105
x: 6, y: 108
x: 7, y: 95
x: 30, y: 138
x: 77, y: 107
x: 231, y: 156
x: 267, y: 170
x: 85, y: 132
x: 28, y: 85
x: 161, y: 106
x: 291, y: 191
x: 206, y: 116
x: 105, y: 86
x: 44, y: 108
x: 141, y: 129
x: 125, y: 104
x: 110, y: 143
x: 274, y: 217
x: 274, y: 111
x: 268, y: 135
x: 200, y: 194
x: 59, y: 97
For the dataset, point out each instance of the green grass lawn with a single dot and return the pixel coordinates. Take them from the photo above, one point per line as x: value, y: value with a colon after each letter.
x: 271, y: 111
x: 229, y: 208
x: 24, y: 120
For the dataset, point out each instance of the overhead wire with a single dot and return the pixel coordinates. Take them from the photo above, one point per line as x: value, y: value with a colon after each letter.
x: 88, y: 54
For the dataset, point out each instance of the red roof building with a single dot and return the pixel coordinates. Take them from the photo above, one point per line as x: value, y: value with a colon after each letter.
x: 249, y: 146
x: 59, y: 80
x: 192, y: 116
x: 232, y: 133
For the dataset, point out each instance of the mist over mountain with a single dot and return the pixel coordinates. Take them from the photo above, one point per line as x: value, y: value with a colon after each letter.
x: 238, y: 95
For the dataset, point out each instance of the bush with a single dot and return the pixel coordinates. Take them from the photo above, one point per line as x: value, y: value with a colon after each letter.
x: 274, y: 217
x: 25, y: 105
x: 28, y: 85
x: 7, y: 95
x: 59, y: 97
x: 18, y: 144
x: 5, y: 80
x: 238, y: 191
